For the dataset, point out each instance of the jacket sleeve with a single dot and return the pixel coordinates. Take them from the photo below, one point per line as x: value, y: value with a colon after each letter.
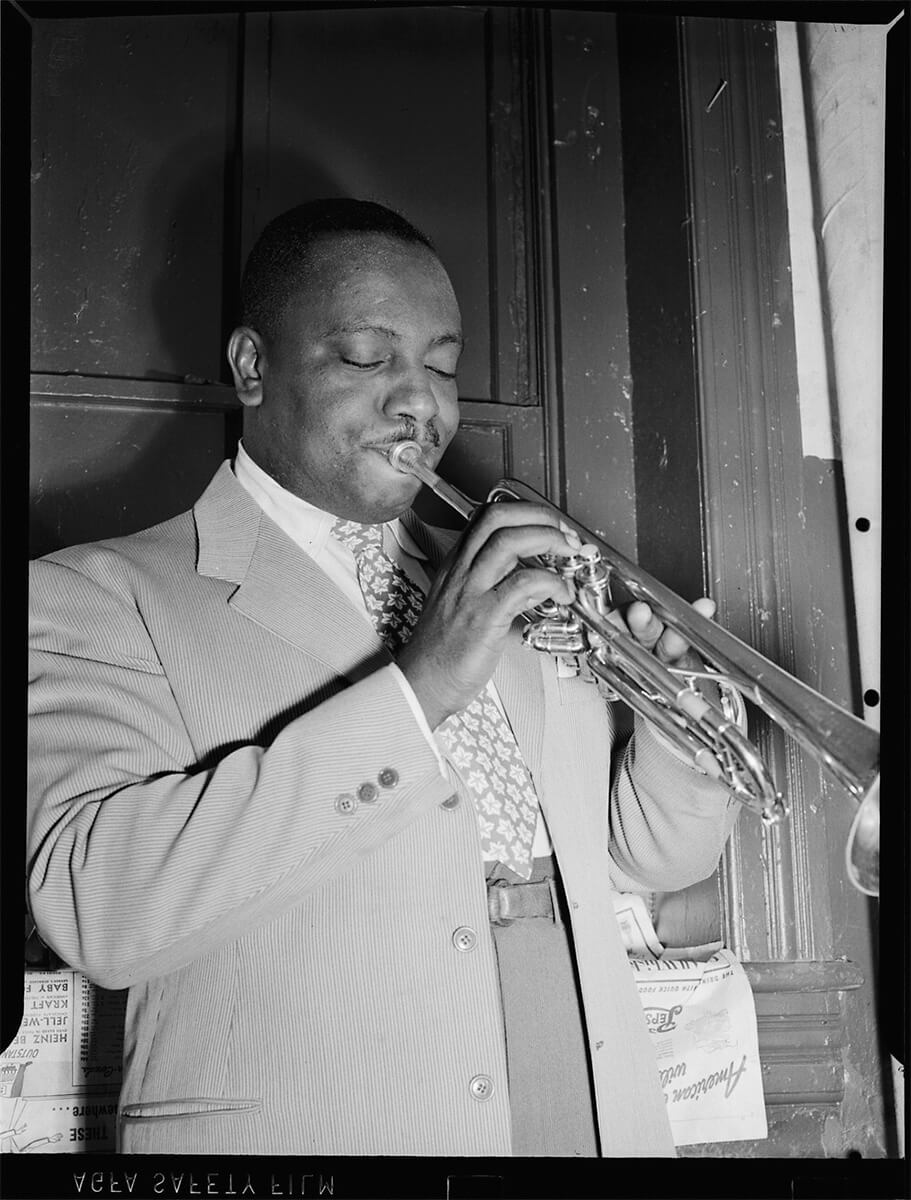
x: 138, y: 862
x: 668, y: 823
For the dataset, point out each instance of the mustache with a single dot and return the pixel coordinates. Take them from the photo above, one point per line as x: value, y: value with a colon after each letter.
x: 409, y: 431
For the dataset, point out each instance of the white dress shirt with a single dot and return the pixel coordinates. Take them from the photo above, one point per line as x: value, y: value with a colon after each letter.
x: 311, y: 529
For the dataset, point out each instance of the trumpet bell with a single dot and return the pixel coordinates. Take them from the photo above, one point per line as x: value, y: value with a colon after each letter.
x: 862, y: 851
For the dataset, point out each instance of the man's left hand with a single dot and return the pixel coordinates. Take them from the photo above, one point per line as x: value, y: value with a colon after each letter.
x: 665, y: 643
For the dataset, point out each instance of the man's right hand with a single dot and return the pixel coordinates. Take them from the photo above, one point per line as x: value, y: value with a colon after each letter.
x: 478, y: 592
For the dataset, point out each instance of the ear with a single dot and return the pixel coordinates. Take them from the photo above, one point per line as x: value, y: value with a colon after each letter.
x: 245, y: 356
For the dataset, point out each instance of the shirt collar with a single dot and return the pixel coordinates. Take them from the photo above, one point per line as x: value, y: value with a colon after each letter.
x: 306, y: 524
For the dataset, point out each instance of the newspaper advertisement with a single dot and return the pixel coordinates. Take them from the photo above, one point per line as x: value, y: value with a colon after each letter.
x: 702, y: 1020
x: 60, y: 1076
x: 703, y: 1024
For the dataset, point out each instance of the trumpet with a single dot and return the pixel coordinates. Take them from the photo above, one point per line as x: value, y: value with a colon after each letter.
x: 709, y: 736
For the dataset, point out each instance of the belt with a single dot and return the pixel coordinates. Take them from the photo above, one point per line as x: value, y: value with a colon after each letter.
x: 507, y: 902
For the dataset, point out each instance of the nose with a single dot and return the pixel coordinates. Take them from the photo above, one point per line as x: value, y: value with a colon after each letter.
x: 412, y: 394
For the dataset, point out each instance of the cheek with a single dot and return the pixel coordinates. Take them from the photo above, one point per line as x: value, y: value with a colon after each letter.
x: 326, y: 416
x: 448, y: 418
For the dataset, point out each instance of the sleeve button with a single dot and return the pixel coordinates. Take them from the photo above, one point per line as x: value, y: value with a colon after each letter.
x: 345, y: 803
x: 367, y: 793
x: 481, y: 1087
x: 464, y: 938
x: 388, y: 777
x: 451, y: 801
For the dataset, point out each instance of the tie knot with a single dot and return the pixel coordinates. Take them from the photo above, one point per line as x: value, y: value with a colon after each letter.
x: 358, y: 537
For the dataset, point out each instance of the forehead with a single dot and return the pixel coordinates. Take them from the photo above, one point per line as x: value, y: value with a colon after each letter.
x: 363, y: 278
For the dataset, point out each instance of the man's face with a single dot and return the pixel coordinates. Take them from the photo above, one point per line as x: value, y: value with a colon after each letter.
x: 365, y: 356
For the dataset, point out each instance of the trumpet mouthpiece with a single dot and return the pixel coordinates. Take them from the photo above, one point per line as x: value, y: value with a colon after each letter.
x: 404, y: 455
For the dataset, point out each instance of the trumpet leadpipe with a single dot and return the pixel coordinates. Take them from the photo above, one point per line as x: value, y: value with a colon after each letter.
x: 407, y: 458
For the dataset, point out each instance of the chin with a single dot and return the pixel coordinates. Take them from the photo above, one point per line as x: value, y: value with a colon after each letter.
x: 394, y: 507
x: 376, y: 505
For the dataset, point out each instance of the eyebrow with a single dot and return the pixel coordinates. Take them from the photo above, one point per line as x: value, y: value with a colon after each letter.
x: 444, y: 339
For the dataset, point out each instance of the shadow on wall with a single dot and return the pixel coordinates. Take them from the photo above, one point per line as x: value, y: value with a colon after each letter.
x: 194, y: 253
x: 100, y: 471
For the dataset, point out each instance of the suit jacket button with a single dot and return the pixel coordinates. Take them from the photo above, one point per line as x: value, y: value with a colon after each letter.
x: 388, y: 777
x: 345, y: 803
x: 367, y: 793
x: 464, y: 938
x: 451, y: 801
x: 481, y: 1087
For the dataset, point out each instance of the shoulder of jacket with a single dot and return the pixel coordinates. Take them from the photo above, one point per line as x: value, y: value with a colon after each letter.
x: 123, y: 569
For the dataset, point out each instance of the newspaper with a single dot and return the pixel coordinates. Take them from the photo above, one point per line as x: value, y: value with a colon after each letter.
x: 60, y: 1076
x: 702, y: 1020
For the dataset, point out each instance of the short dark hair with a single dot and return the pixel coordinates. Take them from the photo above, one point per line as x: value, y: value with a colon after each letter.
x: 278, y: 261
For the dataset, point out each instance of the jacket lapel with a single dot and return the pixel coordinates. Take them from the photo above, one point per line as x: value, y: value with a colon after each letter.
x: 435, y: 542
x: 279, y: 586
x: 288, y: 594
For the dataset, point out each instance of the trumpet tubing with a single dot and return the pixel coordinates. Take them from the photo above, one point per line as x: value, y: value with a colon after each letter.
x: 842, y: 743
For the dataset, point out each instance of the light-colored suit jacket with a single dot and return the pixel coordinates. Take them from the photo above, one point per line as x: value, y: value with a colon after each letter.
x: 202, y: 700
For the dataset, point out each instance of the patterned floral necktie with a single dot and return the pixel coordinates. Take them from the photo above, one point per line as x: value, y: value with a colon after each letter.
x: 477, y: 741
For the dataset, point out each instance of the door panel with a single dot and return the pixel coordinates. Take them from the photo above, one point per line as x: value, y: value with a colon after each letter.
x: 381, y: 106
x: 141, y: 458
x: 132, y: 120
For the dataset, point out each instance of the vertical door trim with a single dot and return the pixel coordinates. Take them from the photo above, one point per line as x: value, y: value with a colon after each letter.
x: 589, y: 406
x: 751, y: 445
x: 255, y: 101
x: 523, y: 325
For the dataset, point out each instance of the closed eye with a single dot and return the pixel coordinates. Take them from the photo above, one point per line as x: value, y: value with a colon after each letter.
x: 363, y: 366
x: 368, y: 366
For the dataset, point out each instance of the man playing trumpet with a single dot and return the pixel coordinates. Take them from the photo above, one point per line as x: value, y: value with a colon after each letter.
x: 296, y: 784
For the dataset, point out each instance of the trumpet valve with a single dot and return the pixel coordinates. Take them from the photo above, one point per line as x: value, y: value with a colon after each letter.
x: 555, y: 634
x: 594, y: 576
x: 565, y: 565
x: 586, y: 571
